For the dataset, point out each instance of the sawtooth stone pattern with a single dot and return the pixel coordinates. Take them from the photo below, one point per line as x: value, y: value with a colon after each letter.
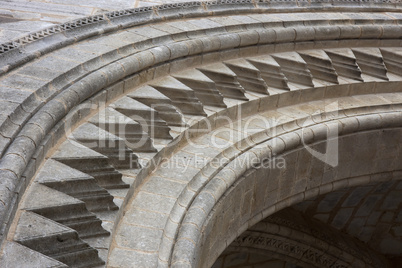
x: 204, y: 134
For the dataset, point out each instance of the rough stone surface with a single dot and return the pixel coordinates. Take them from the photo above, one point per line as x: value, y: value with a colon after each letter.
x: 243, y: 110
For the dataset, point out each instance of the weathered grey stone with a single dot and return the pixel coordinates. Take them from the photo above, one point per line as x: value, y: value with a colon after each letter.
x: 157, y: 185
x: 66, y: 210
x: 247, y: 75
x: 160, y: 203
x: 15, y: 254
x: 320, y: 65
x: 270, y: 72
x: 290, y: 62
x: 344, y: 63
x: 392, y: 59
x: 204, y: 43
x: 204, y: 88
x: 23, y: 82
x: 146, y: 218
x: 371, y: 63
x: 182, y: 96
x: 88, y: 161
x: 155, y: 99
x: 146, y: 116
x: 77, y: 184
x: 35, y: 232
x: 13, y: 95
x: 127, y: 129
x: 225, y: 80
x: 122, y: 257
x: 139, y: 238
x: 284, y: 35
x: 106, y: 143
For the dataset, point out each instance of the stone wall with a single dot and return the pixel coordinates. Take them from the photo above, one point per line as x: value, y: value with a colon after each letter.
x: 238, y: 83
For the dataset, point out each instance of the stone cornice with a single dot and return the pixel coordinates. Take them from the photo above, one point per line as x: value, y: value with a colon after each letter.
x: 33, y: 45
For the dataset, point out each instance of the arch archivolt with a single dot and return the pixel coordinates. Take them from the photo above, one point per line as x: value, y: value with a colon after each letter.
x: 198, y: 131
x: 292, y: 237
x: 238, y: 196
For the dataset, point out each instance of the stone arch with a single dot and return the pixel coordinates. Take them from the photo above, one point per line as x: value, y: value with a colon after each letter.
x: 34, y: 133
x: 282, y: 234
x: 211, y: 226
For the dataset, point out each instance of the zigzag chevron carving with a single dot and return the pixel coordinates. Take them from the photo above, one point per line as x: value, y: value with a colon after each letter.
x: 294, y: 68
x: 344, y: 62
x: 248, y: 75
x: 320, y: 66
x: 392, y: 59
x: 226, y: 80
x: 371, y: 62
x: 85, y: 177
x: 270, y: 71
x: 56, y: 241
x: 204, y: 88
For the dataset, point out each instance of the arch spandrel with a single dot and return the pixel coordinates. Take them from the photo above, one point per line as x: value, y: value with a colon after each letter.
x: 146, y: 132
